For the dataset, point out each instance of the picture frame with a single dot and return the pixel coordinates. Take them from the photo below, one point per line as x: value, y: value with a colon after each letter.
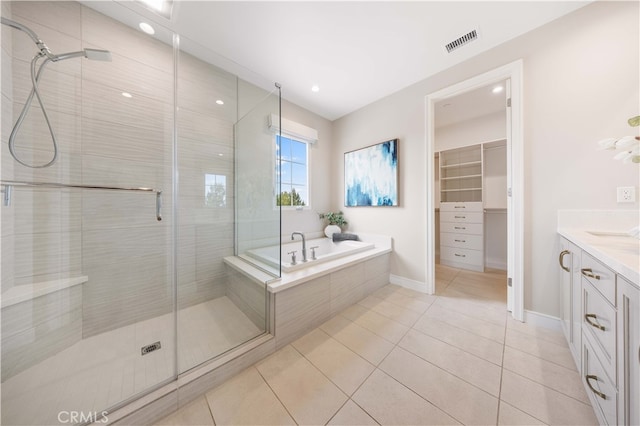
x: 371, y: 176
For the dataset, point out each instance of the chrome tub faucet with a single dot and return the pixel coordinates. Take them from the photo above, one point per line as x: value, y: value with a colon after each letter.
x: 304, y: 245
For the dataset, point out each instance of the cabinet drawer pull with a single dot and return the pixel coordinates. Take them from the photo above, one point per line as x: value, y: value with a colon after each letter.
x: 460, y: 255
x: 460, y: 241
x: 588, y: 272
x: 594, y: 323
x: 594, y: 377
x: 460, y: 217
x: 560, y: 259
x: 459, y: 227
x: 459, y: 207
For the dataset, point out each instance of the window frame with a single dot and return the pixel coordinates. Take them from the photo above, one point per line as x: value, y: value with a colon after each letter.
x: 277, y: 176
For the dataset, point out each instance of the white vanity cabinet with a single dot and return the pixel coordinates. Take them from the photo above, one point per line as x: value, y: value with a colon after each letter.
x: 571, y: 296
x: 628, y: 327
x: 601, y: 321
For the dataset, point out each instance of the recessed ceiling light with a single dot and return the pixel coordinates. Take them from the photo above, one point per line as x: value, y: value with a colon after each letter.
x: 315, y: 88
x: 220, y: 154
x: 127, y: 95
x: 497, y: 89
x: 147, y: 28
x: 220, y: 102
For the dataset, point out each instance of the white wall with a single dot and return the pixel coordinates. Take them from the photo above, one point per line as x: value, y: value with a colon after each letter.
x: 580, y: 86
x: 489, y: 127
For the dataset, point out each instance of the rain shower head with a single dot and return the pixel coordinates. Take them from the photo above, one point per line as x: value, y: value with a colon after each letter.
x: 93, y: 54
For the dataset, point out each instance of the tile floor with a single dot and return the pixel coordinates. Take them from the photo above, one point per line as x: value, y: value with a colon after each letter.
x: 103, y: 370
x: 402, y: 357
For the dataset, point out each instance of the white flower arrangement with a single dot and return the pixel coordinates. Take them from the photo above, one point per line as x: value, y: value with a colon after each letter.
x: 630, y: 145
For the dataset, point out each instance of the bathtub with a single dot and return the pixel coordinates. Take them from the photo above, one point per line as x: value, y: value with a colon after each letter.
x: 326, y: 250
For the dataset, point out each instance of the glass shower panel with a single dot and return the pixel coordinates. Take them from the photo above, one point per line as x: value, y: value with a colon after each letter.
x: 218, y: 308
x: 88, y: 316
x: 257, y: 216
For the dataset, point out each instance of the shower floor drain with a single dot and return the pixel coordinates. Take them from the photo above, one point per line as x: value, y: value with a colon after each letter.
x: 150, y: 348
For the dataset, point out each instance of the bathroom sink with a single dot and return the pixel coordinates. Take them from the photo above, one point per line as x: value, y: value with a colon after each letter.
x: 620, y: 242
x: 608, y: 234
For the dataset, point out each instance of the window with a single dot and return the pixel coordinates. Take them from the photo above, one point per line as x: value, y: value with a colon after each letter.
x: 294, y: 172
x: 215, y: 190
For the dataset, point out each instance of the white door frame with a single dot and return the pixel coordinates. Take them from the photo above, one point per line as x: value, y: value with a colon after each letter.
x: 515, y: 177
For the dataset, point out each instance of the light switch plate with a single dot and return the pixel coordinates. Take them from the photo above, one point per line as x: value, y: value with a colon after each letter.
x: 626, y: 194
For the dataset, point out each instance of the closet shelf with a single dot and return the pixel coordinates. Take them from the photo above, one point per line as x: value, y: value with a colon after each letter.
x: 461, y: 177
x: 460, y: 190
x: 469, y: 163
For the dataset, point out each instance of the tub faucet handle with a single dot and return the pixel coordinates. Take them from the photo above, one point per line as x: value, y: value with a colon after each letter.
x: 313, y: 252
x: 293, y: 257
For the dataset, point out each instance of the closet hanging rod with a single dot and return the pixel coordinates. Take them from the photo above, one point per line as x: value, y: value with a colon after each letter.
x: 9, y: 184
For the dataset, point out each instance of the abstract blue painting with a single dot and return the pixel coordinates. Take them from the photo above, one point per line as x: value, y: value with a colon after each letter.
x: 371, y: 175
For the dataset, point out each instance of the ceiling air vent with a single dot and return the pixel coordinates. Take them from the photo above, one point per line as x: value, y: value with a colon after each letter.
x: 461, y: 41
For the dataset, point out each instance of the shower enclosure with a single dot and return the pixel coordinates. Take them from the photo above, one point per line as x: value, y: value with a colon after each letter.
x: 113, y: 276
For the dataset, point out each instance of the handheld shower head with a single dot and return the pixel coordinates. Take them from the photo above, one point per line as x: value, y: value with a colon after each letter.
x: 93, y: 54
x: 97, y: 55
x: 46, y: 56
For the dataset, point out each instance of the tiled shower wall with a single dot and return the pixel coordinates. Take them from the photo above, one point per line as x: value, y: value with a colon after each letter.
x: 106, y: 139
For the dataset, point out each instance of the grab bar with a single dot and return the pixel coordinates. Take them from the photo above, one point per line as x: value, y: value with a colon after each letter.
x: 9, y: 184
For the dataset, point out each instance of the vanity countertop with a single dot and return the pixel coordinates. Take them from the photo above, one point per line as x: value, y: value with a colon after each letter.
x: 618, y: 251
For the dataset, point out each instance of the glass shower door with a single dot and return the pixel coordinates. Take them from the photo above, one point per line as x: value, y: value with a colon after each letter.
x: 88, y: 317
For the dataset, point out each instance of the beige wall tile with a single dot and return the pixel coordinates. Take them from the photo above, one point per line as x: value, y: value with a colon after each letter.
x: 118, y: 38
x: 63, y: 16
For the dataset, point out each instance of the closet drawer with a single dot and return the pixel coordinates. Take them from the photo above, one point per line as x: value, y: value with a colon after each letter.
x: 472, y: 242
x: 461, y: 228
x: 601, y: 391
x: 599, y: 322
x: 602, y: 278
x: 461, y: 207
x: 461, y: 217
x: 471, y: 257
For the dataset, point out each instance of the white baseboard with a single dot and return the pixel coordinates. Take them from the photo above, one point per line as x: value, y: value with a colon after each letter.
x: 408, y: 283
x: 502, y: 266
x: 543, y: 320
